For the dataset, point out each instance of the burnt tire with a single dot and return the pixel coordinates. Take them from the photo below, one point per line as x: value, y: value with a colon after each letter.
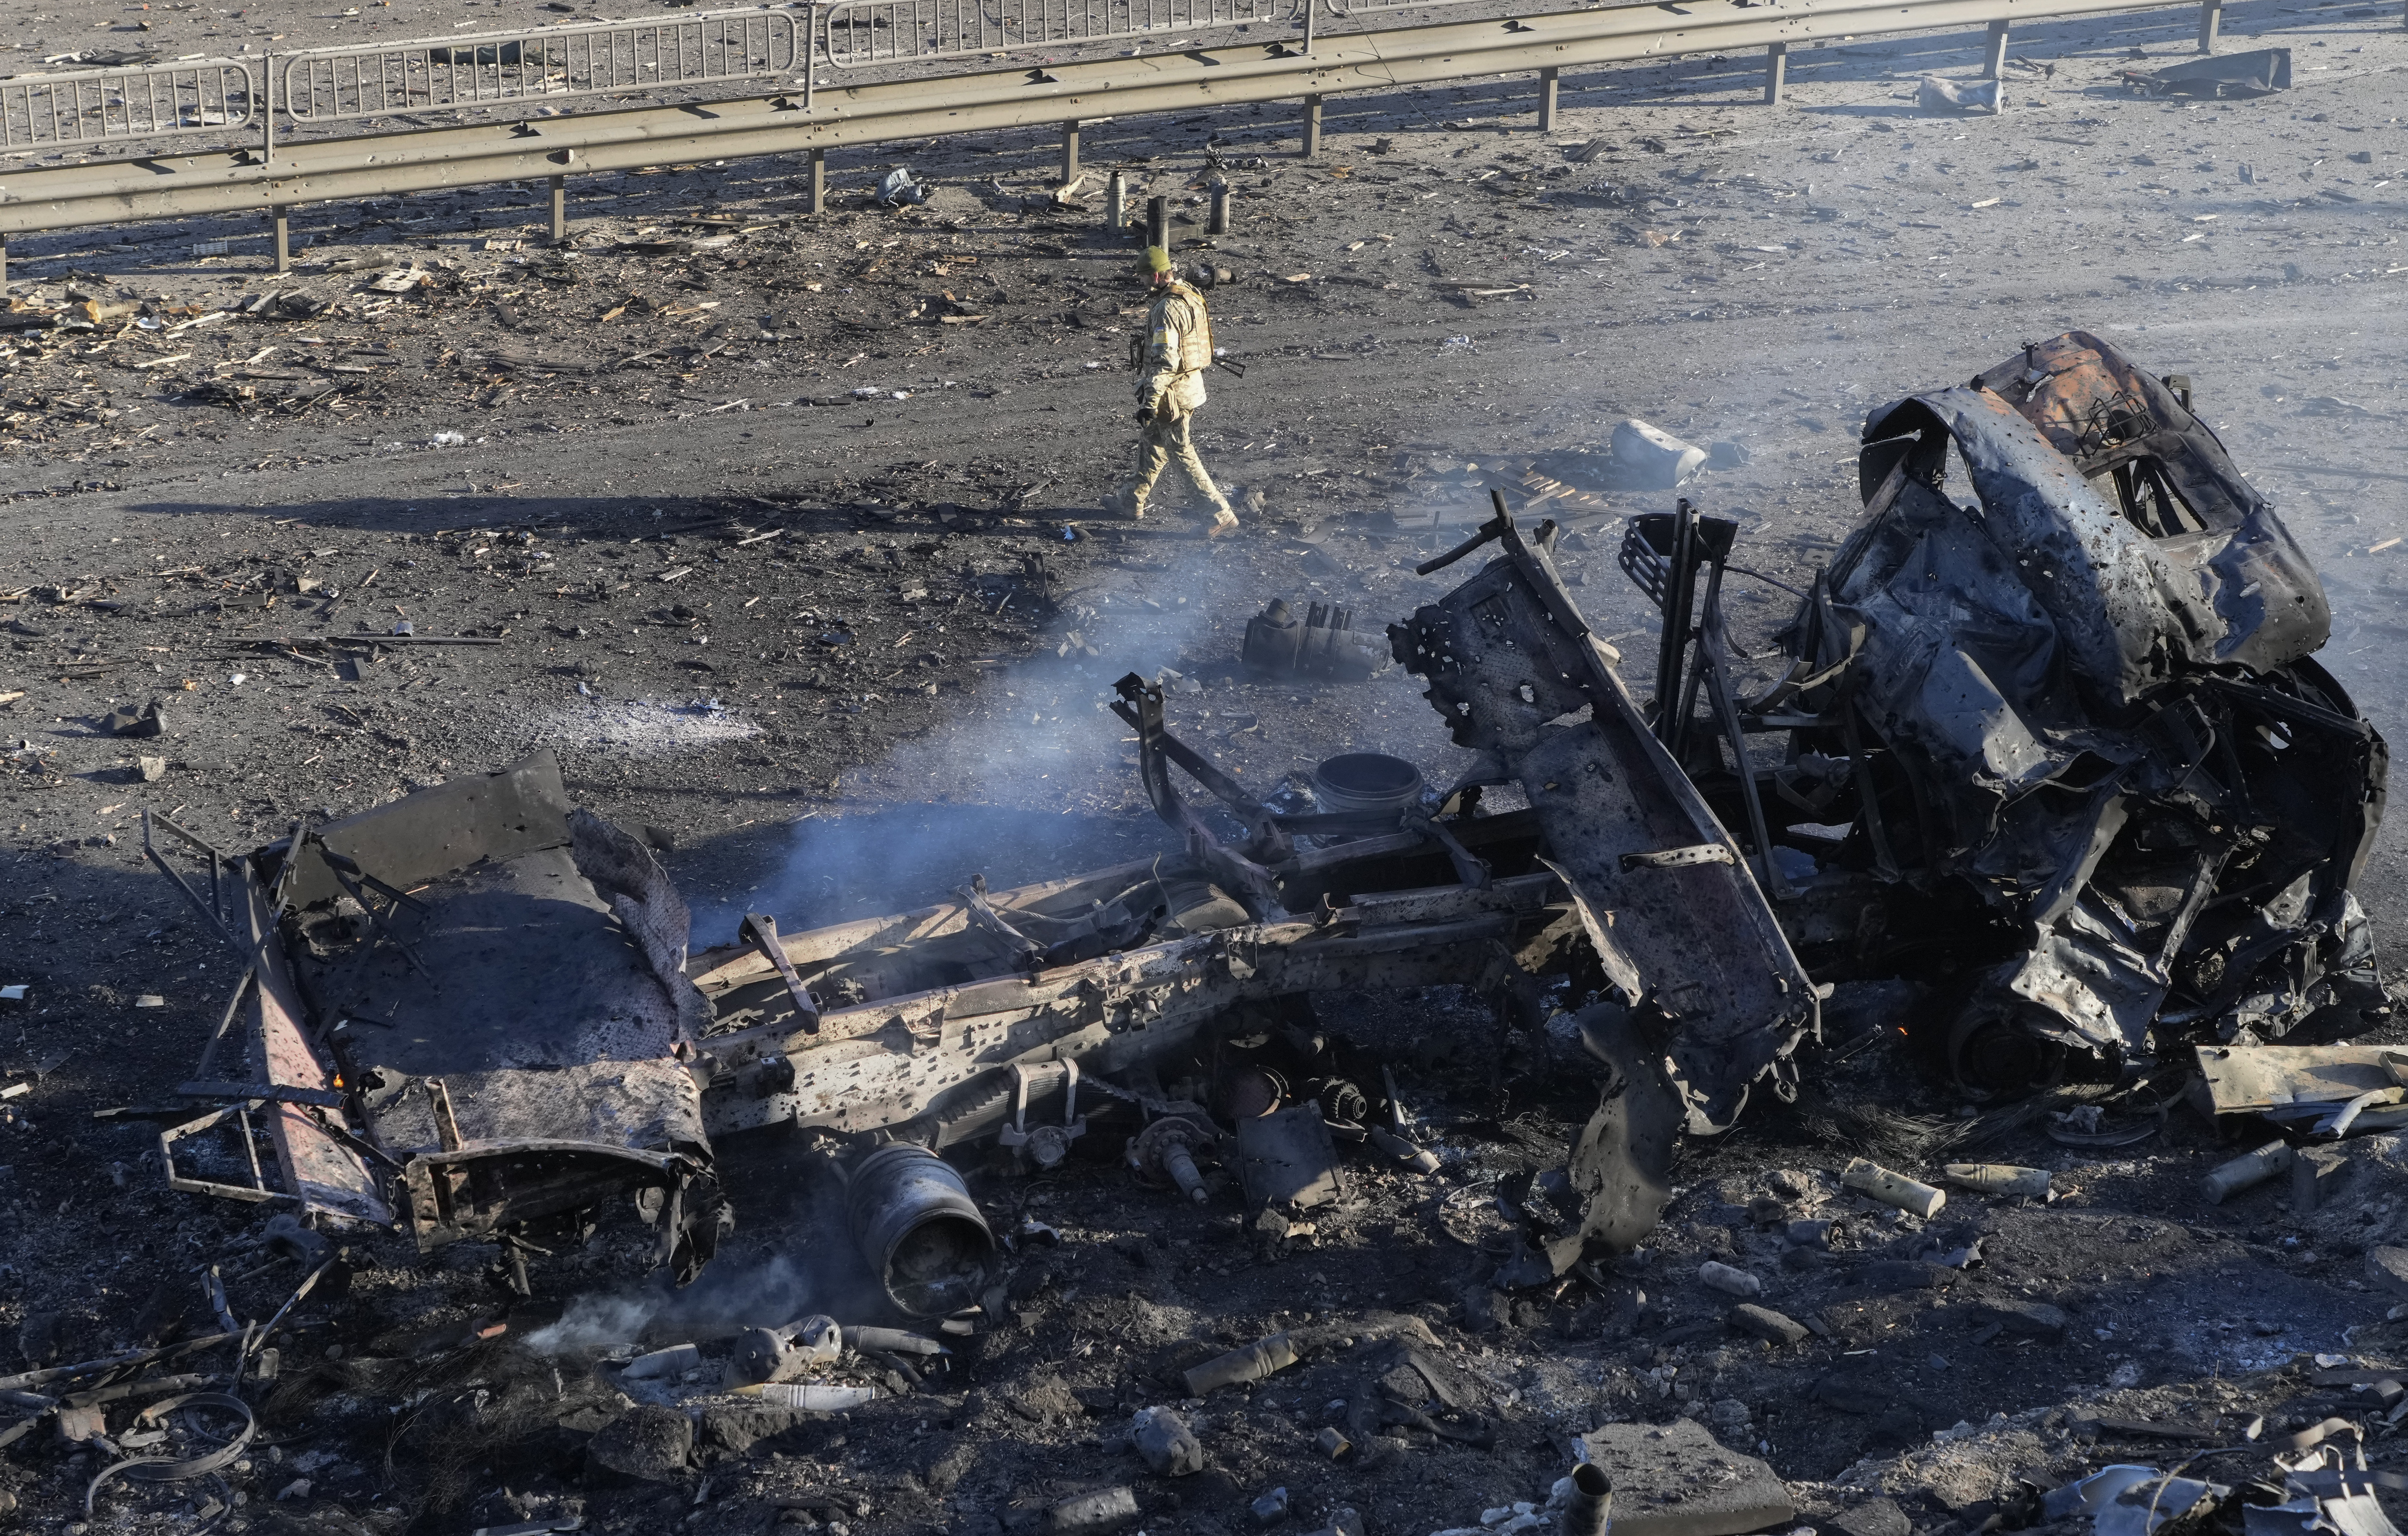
x: 1992, y: 1053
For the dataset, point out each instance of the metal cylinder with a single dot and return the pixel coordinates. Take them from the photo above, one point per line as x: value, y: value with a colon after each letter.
x: 1157, y: 222
x: 2248, y: 1171
x: 914, y: 1219
x: 1217, y: 222
x: 1093, y: 1513
x: 1591, y: 1508
x: 1181, y: 1168
x: 1116, y: 203
x: 762, y: 1354
x: 1368, y: 783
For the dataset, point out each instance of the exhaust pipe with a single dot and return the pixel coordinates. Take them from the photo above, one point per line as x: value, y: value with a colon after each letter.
x: 914, y: 1219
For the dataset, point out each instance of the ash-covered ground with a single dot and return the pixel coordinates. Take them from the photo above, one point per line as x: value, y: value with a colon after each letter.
x: 752, y: 524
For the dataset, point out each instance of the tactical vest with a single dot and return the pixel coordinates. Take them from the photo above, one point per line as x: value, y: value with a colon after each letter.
x: 1196, y: 343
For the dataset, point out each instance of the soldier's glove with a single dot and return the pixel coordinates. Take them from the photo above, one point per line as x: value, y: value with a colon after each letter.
x: 1145, y: 414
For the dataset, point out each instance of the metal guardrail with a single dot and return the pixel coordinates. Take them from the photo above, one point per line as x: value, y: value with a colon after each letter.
x: 505, y: 68
x: 1062, y: 93
x: 859, y: 34
x: 143, y: 101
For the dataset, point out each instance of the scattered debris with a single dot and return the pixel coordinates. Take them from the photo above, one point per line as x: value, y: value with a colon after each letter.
x: 2321, y: 1090
x: 143, y: 720
x: 2126, y: 1500
x: 1323, y: 645
x: 1999, y: 1179
x: 1935, y: 94
x: 1653, y: 459
x: 1676, y: 1479
x: 2255, y: 73
x: 2247, y: 1172
x: 899, y: 190
x: 1897, y: 1189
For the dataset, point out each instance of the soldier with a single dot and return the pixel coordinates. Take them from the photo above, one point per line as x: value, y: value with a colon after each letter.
x: 1177, y: 348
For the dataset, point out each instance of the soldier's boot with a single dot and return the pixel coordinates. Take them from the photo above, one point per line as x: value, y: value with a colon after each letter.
x: 1224, y: 522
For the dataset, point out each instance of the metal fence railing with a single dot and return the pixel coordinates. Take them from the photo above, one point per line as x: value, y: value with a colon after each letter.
x: 859, y: 34
x: 143, y: 101
x: 1342, y: 9
x: 506, y: 68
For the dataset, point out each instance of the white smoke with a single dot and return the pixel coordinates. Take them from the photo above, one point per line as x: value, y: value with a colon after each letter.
x: 720, y: 1300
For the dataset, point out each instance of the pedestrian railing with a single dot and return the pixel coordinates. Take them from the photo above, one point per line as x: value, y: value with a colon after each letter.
x: 98, y: 107
x: 858, y: 34
x: 548, y: 64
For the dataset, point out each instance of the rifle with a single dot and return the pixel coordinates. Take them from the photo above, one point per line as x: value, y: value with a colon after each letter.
x: 1137, y: 358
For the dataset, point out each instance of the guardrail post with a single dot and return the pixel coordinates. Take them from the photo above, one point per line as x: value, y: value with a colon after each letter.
x: 1776, y: 72
x: 1547, y: 100
x: 1217, y: 222
x: 1070, y: 153
x: 284, y: 239
x: 2210, y: 15
x: 1311, y: 127
x: 819, y: 180
x: 1994, y: 54
x: 559, y: 209
x: 4, y: 263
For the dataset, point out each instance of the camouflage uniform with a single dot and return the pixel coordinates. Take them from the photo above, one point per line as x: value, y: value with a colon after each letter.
x: 1170, y: 385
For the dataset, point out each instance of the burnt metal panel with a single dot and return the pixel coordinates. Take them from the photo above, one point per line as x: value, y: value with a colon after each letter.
x: 1515, y: 670
x: 448, y: 826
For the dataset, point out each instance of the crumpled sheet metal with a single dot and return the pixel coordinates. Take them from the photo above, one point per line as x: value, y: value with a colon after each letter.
x: 2257, y: 72
x: 2109, y: 597
x: 2336, y: 1500
x: 2310, y: 1086
x: 2129, y: 1501
x: 2095, y: 688
x: 2263, y: 605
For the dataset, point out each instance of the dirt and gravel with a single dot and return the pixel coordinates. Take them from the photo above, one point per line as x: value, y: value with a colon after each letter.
x: 785, y: 526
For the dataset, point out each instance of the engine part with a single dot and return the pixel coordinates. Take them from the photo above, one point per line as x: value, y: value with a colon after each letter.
x: 1366, y: 783
x: 1287, y: 1158
x: 914, y: 1219
x: 1164, y: 1153
x: 1323, y: 645
x: 1047, y: 1145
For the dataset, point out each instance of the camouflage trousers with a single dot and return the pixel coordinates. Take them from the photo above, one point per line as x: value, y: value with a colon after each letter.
x: 1161, y: 441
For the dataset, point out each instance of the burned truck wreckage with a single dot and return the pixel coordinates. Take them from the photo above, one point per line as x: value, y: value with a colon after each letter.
x: 2047, y: 755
